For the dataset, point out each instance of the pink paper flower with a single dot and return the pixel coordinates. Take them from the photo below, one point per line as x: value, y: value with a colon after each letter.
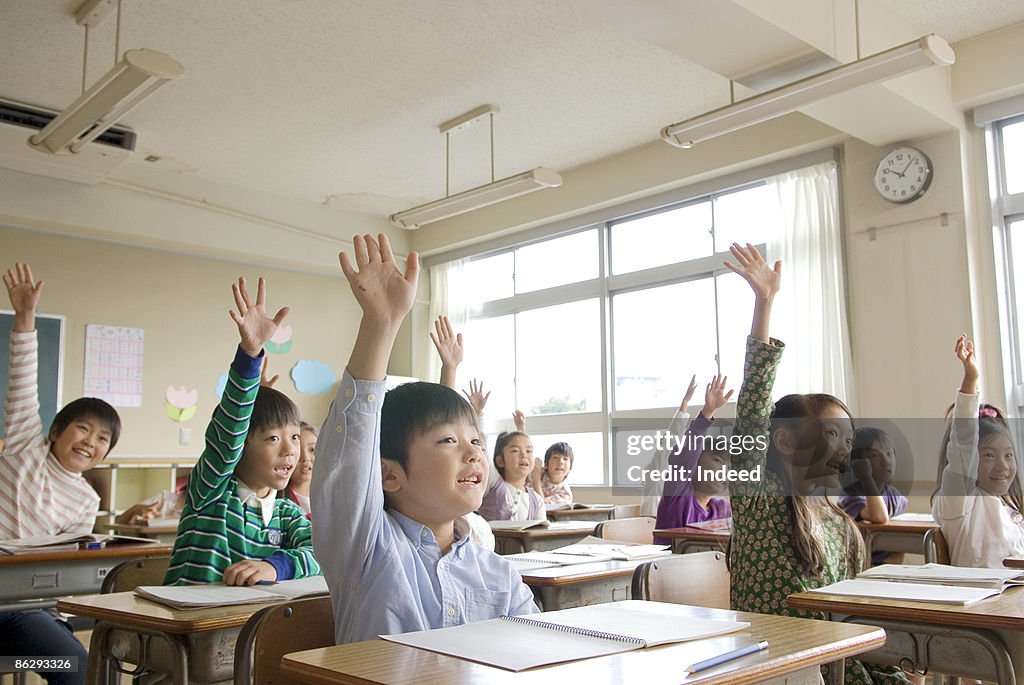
x: 180, y: 397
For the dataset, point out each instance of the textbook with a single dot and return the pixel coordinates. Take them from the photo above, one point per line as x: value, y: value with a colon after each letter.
x: 519, y: 525
x: 941, y: 574
x: 526, y: 561
x: 215, y: 594
x: 724, y: 525
x: 567, y: 635
x: 913, y: 516
x: 918, y: 592
x: 597, y: 548
x: 65, y: 541
x: 161, y: 522
x: 578, y: 505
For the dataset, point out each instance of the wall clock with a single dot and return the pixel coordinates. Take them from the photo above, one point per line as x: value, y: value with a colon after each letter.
x: 903, y: 174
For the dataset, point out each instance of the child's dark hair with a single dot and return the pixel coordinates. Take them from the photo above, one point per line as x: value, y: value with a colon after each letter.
x: 807, y: 549
x: 271, y: 409
x: 303, y: 426
x: 991, y: 422
x: 91, y: 407
x: 412, y: 408
x: 558, y: 448
x: 500, y: 443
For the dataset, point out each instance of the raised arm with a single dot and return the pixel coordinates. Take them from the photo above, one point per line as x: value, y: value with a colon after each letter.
x: 449, y: 349
x: 225, y: 435
x: 961, y: 472
x: 21, y: 410
x: 476, y: 396
x: 652, y: 488
x: 688, y: 454
x: 347, y: 478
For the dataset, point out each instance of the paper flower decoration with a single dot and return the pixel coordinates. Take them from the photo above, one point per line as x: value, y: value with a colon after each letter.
x: 181, y: 403
x: 312, y: 376
x: 281, y: 343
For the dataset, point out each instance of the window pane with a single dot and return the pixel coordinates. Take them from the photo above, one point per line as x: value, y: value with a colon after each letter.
x: 490, y: 351
x: 735, y: 308
x: 679, y: 234
x: 490, y: 277
x: 558, y: 355
x: 570, y: 259
x: 745, y: 216
x: 587, y: 453
x: 1013, y: 154
x: 662, y: 336
x: 1016, y: 235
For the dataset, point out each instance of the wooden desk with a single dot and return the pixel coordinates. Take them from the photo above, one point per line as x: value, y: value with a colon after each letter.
x: 558, y: 534
x: 201, y: 641
x: 586, y: 514
x: 913, y: 537
x: 564, y: 587
x: 689, y: 539
x: 796, y: 646
x: 162, y: 533
x: 44, y: 576
x: 928, y: 636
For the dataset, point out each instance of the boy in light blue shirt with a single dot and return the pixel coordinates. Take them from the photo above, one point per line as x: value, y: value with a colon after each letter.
x: 394, y: 477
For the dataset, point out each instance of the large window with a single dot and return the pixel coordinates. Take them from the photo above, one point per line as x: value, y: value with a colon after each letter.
x: 598, y: 330
x: 1007, y: 149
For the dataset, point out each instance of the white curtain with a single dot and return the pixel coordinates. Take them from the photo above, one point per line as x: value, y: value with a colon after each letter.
x: 810, y: 310
x: 448, y: 296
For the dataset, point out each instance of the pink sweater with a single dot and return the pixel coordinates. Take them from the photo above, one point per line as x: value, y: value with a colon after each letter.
x: 38, y: 496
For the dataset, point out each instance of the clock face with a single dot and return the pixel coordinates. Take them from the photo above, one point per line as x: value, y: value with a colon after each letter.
x: 903, y: 174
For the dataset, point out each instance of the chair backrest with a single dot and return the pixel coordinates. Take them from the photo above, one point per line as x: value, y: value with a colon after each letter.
x: 272, y: 632
x: 701, y: 579
x: 637, y: 529
x: 941, y: 548
x: 129, y: 575
x: 625, y: 511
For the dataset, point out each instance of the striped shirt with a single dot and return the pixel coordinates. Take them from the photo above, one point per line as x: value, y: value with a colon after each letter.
x: 216, y: 528
x: 38, y: 496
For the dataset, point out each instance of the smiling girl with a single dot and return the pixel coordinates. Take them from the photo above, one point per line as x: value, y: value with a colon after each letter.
x: 513, y: 486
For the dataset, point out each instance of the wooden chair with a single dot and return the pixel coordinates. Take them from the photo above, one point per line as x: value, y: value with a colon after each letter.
x: 129, y: 575
x: 625, y: 511
x: 275, y: 631
x: 701, y: 579
x: 637, y: 529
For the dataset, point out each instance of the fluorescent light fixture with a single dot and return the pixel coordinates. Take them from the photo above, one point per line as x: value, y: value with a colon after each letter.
x: 478, y: 197
x: 133, y: 79
x: 925, y: 52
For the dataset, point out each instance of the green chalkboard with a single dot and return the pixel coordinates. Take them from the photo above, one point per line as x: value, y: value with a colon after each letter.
x: 51, y: 362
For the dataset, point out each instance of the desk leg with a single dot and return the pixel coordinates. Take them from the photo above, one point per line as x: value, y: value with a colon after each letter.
x: 100, y: 669
x: 102, y: 661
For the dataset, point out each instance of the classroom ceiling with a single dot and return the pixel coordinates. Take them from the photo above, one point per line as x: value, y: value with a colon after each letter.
x: 338, y: 101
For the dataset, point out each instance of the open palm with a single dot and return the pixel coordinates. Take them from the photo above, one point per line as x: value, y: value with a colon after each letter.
x: 254, y: 326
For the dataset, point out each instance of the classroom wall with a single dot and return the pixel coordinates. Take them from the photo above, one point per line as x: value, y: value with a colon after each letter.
x: 182, y: 303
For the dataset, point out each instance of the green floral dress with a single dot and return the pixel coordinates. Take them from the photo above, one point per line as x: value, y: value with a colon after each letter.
x: 763, y: 569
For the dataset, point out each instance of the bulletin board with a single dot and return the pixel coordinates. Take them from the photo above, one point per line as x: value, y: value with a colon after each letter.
x: 50, y: 332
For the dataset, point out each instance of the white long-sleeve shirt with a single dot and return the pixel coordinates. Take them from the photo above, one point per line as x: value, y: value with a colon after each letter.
x: 38, y: 496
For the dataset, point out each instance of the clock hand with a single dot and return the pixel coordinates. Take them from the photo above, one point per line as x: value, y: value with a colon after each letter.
x: 907, y: 167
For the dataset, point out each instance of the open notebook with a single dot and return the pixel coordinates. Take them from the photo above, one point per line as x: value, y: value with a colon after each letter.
x: 201, y: 596
x: 599, y: 549
x: 519, y: 525
x: 578, y: 505
x: 567, y: 635
x: 917, y: 592
x: 941, y: 574
x: 61, y: 541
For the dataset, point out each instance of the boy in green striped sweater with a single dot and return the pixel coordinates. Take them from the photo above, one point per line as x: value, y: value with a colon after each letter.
x: 234, y: 528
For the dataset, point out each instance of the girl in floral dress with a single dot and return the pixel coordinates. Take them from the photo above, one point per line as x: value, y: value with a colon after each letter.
x: 786, y: 538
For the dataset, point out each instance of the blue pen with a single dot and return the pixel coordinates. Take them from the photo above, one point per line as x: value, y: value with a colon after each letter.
x: 723, y: 658
x: 265, y: 582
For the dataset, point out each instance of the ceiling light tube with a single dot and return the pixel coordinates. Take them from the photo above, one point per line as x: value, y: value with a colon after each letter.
x: 478, y: 197
x: 928, y: 51
x: 133, y: 79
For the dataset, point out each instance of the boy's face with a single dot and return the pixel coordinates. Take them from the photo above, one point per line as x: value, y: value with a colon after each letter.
x: 559, y: 466
x: 304, y: 469
x: 517, y: 459
x: 882, y: 458
x: 269, y: 457
x: 444, y: 477
x: 82, y: 444
x: 997, y: 465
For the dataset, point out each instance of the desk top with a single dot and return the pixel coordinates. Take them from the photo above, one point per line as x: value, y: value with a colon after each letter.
x: 899, y: 526
x: 692, y: 533
x: 572, y: 574
x: 1013, y: 562
x: 124, y: 550
x: 795, y: 644
x: 554, y: 530
x: 127, y: 609
x: 1002, y: 612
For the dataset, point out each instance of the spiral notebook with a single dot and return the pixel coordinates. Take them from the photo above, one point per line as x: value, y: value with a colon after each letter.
x: 567, y: 635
